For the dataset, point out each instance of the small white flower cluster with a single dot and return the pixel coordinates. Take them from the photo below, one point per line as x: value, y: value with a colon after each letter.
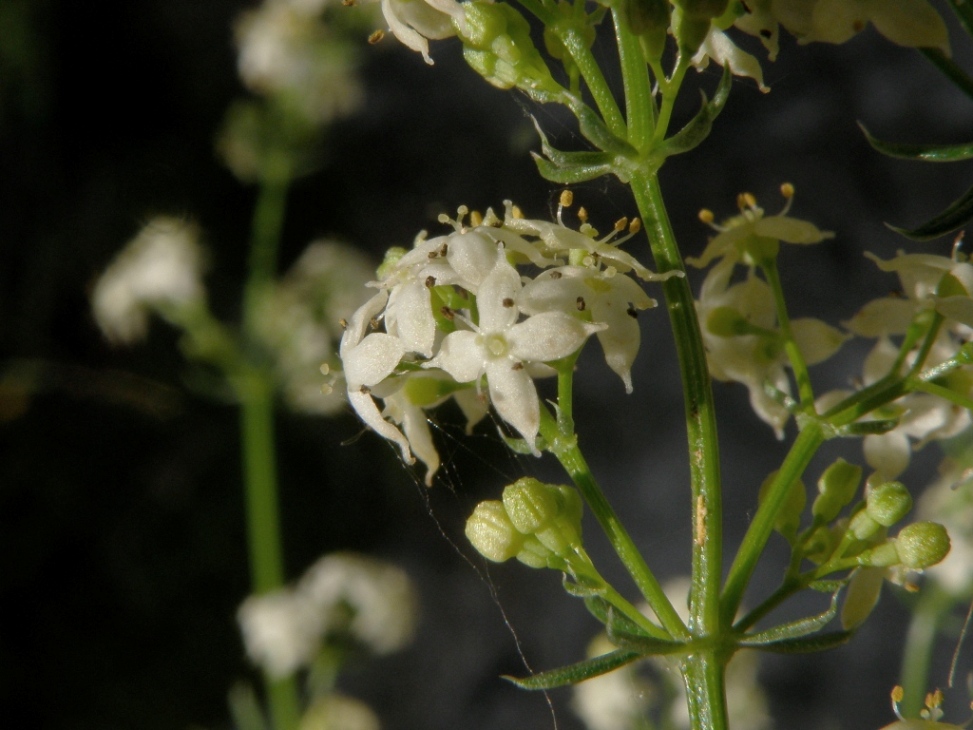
x: 298, y: 319
x: 459, y: 312
x: 286, y: 49
x: 739, y: 318
x: 160, y: 270
x: 367, y: 600
x: 929, y: 284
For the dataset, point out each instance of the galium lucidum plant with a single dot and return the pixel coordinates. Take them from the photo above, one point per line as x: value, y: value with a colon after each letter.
x: 482, y: 312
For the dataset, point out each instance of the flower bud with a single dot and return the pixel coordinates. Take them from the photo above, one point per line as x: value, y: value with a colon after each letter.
x: 691, y: 22
x: 888, y: 503
x: 491, y: 532
x: 649, y: 20
x: 883, y: 556
x: 530, y: 504
x: 836, y: 487
x: 497, y: 44
x: 863, y: 526
x: 922, y: 544
x: 534, y: 554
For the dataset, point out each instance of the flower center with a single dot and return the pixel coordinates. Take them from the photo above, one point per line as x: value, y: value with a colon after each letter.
x: 495, y: 345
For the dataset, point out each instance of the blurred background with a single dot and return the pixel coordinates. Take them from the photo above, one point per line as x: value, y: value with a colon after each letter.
x: 122, y: 547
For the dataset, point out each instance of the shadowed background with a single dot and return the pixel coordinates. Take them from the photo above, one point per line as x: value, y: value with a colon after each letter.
x: 122, y: 546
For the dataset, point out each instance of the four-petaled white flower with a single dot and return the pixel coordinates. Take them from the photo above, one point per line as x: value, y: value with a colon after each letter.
x: 611, y: 298
x: 500, y: 346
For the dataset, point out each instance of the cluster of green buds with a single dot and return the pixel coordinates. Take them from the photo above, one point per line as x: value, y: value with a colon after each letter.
x: 859, y: 541
x: 538, y: 524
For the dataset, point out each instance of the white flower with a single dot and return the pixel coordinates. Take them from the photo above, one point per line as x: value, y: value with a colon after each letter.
x: 160, y: 270
x: 910, y: 23
x: 752, y: 227
x: 339, y: 712
x: 414, y: 22
x: 368, y: 360
x: 281, y: 631
x: 739, y: 327
x: 724, y: 52
x: 379, y: 596
x: 298, y: 319
x: 286, y: 50
x: 500, y: 347
x: 612, y: 298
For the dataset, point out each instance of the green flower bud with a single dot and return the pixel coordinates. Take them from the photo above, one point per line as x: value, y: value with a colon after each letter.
x: 883, y: 556
x: 837, y: 487
x: 531, y: 504
x: 392, y: 257
x: 497, y: 44
x: 534, y: 554
x: 706, y: 9
x: 922, y: 544
x: 649, y: 20
x: 888, y: 503
x: 491, y: 532
x: 691, y: 22
x: 789, y: 518
x: 561, y: 536
x: 863, y: 526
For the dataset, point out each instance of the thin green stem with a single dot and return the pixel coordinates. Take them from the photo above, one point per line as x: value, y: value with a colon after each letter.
x: 577, y: 47
x: 946, y: 394
x: 566, y: 449
x: 703, y: 676
x: 802, y: 450
x: 670, y: 90
x: 639, y: 108
x: 255, y: 390
x: 707, y: 509
x: 919, y: 643
x: 794, y: 355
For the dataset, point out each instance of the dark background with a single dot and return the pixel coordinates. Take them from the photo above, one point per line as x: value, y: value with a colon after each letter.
x: 122, y: 550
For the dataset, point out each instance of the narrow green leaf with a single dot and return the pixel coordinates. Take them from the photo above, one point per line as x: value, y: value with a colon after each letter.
x: 924, y: 152
x: 698, y: 128
x: 595, y: 131
x: 614, y: 621
x: 582, y: 587
x: 571, y: 174
x: 866, y: 428
x: 805, y: 645
x: 574, y: 673
x: 793, y: 629
x: 645, y: 645
x: 955, y: 216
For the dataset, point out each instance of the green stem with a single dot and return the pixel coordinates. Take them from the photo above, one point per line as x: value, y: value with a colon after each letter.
x: 255, y: 390
x: 794, y: 354
x: 700, y: 412
x: 950, y: 69
x: 705, y: 690
x: 670, y: 90
x: 566, y: 449
x: 638, y: 87
x: 919, y: 642
x: 804, y: 447
x: 945, y: 393
x: 577, y: 47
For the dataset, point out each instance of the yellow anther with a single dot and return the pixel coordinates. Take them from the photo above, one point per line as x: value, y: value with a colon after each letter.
x: 443, y: 218
x: 746, y: 200
x: 376, y: 37
x: 621, y: 224
x: 582, y: 214
x: 567, y: 199
x: 897, y: 693
x: 934, y: 699
x: 516, y: 212
x: 476, y: 218
x: 706, y: 216
x: 325, y: 368
x: 787, y: 190
x: 635, y: 226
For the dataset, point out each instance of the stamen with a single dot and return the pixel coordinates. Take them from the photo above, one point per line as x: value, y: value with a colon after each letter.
x: 621, y: 224
x: 567, y: 199
x: 325, y: 368
x: 706, y: 216
x: 580, y: 304
x: 556, y: 275
x: 374, y: 322
x: 746, y: 200
x: 516, y: 212
x: 444, y: 249
x: 430, y: 282
x: 376, y: 37
x: 635, y: 226
x: 343, y: 323
x: 787, y: 190
x: 447, y: 313
x: 583, y: 214
x: 517, y: 366
x: 507, y: 302
x: 476, y: 219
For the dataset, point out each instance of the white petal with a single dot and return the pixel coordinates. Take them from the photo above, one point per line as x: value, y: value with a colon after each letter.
x: 497, y: 298
x: 816, y: 340
x: 372, y: 360
x: 420, y: 439
x: 360, y: 321
x: 886, y: 316
x: 473, y: 256
x: 409, y: 317
x: 513, y: 394
x: 879, y: 361
x: 959, y: 309
x: 369, y: 413
x: 888, y: 453
x: 620, y: 343
x: 790, y: 230
x: 474, y: 405
x: 549, y: 336
x: 460, y: 355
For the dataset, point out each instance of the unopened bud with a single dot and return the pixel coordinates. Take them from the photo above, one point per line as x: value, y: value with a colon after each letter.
x: 922, y: 544
x: 491, y: 532
x: 534, y: 554
x: 883, y: 556
x: 863, y: 526
x: 530, y: 504
x: 836, y: 487
x: 888, y: 503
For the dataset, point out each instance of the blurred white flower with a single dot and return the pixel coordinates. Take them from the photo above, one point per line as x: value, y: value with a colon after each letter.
x: 339, y: 712
x: 286, y: 49
x: 614, y: 701
x: 299, y: 320
x: 281, y: 631
x: 378, y: 597
x: 949, y: 501
x: 342, y: 594
x: 159, y: 271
